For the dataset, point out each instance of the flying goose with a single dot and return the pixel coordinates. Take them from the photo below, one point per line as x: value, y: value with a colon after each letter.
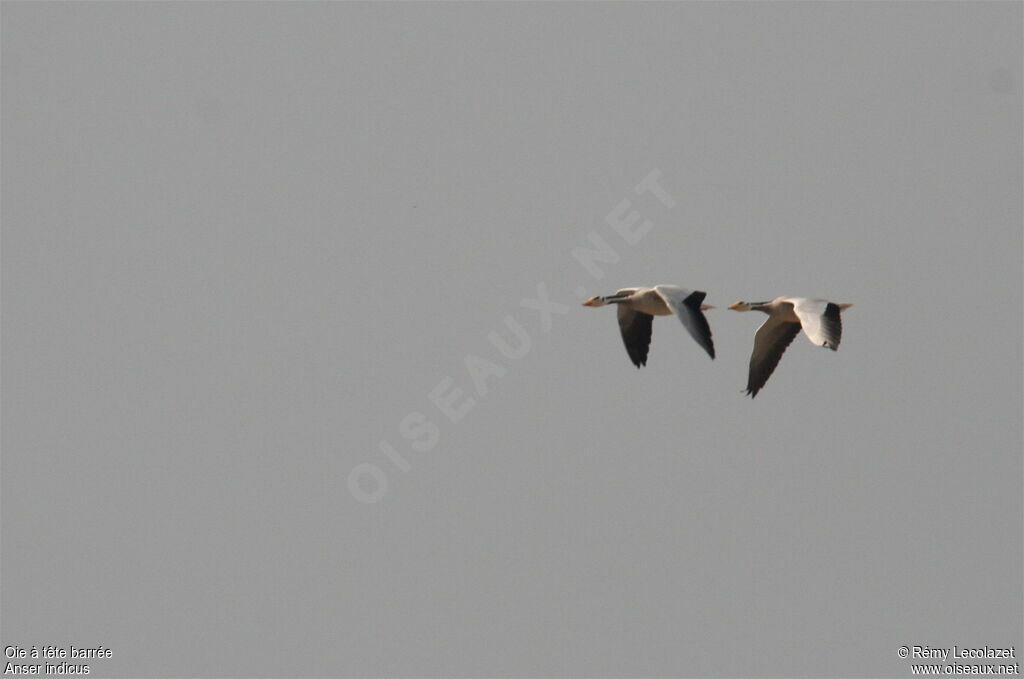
x: 786, y: 315
x: 639, y: 306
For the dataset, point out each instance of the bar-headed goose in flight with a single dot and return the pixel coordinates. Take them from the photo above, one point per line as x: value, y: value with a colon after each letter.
x: 786, y: 315
x: 639, y: 306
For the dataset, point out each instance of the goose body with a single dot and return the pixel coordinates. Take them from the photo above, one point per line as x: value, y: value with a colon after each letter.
x: 819, y: 319
x: 637, y: 308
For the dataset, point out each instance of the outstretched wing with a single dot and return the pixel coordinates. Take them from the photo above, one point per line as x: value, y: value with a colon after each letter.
x: 636, y: 334
x: 770, y: 343
x: 686, y: 306
x: 820, y: 320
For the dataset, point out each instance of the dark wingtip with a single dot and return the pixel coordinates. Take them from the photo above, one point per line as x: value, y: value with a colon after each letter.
x: 695, y: 298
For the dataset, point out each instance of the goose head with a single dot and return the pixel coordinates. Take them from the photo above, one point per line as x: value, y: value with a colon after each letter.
x: 749, y: 306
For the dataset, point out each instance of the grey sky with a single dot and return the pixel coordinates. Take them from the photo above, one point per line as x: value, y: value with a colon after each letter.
x: 243, y: 242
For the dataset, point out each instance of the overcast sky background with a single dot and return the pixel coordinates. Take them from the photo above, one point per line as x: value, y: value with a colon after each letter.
x: 242, y: 242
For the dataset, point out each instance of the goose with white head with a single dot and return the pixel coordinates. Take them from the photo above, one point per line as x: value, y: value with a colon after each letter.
x: 637, y: 308
x: 819, y: 318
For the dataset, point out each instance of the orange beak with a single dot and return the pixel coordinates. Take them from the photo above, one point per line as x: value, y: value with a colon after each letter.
x: 590, y: 302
